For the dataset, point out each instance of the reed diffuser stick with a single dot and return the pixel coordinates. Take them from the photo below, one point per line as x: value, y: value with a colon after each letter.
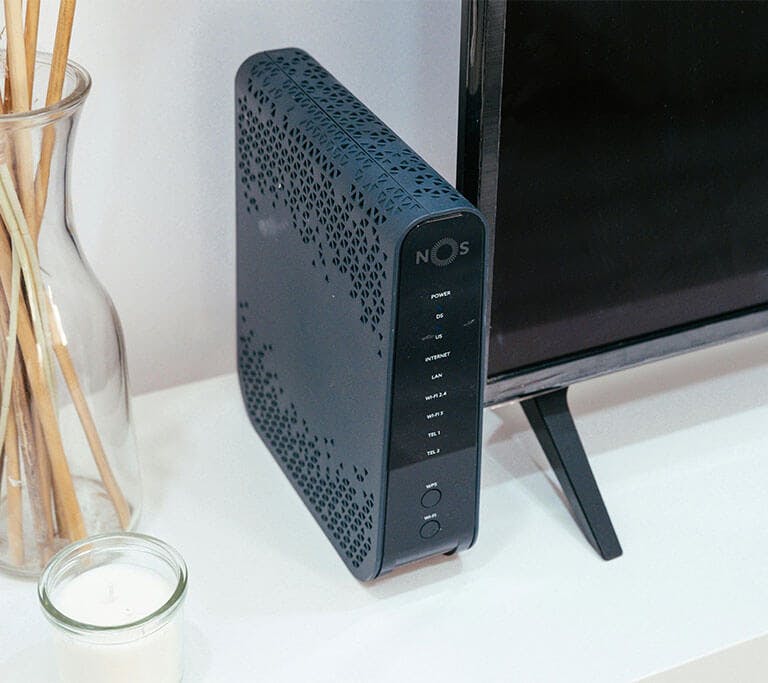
x: 60, y: 51
x: 31, y: 25
x: 42, y: 523
x: 55, y: 90
x: 86, y: 419
x: 5, y: 403
x: 13, y: 495
x: 7, y: 88
x: 2, y: 463
x: 17, y: 57
x: 9, y: 447
x: 37, y: 470
x: 10, y: 330
x: 17, y: 63
x: 38, y: 493
x: 22, y: 244
x: 9, y: 442
x: 44, y: 463
x: 68, y: 511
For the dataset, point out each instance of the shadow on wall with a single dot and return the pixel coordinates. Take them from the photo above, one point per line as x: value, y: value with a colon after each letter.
x: 154, y: 162
x: 655, y: 399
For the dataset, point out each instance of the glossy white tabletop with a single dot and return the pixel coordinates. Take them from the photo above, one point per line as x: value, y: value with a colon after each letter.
x: 680, y: 449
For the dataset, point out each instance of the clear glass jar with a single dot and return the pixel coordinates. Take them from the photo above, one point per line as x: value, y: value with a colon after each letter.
x: 68, y: 466
x: 115, y: 602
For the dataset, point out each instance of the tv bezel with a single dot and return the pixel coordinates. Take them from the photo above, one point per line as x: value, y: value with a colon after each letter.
x: 483, y: 25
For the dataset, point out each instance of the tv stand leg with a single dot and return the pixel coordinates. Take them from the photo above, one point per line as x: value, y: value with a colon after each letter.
x: 553, y: 424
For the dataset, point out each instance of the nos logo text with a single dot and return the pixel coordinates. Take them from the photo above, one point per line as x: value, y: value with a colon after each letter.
x: 443, y: 252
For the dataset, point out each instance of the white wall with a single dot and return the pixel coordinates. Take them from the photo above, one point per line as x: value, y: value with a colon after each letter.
x: 153, y: 171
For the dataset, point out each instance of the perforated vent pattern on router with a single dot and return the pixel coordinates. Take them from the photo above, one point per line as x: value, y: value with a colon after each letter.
x: 284, y: 170
x: 337, y: 493
x: 389, y: 151
x: 294, y: 165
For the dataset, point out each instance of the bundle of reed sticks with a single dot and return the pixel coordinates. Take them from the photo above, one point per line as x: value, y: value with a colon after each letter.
x: 34, y: 470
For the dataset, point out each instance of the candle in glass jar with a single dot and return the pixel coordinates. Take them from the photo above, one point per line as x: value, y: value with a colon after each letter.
x: 117, y: 595
x: 116, y: 603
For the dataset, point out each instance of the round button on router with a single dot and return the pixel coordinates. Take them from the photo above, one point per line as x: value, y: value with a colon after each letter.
x: 431, y: 498
x: 429, y: 529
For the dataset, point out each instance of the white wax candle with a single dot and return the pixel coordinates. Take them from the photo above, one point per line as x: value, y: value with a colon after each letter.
x: 116, y: 595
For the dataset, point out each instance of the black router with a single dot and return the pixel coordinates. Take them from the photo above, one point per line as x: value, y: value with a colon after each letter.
x: 361, y: 289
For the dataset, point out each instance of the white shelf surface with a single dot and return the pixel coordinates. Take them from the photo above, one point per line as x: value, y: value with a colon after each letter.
x: 678, y: 447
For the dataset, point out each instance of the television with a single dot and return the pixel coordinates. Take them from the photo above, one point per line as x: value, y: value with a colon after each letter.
x: 620, y: 153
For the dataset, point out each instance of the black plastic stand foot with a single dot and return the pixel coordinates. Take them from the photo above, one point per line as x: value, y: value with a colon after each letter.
x: 553, y: 424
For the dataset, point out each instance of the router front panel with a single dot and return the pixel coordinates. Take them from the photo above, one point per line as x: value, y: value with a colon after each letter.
x: 360, y: 278
x: 437, y: 389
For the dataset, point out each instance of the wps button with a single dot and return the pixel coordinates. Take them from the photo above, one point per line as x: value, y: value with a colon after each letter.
x: 429, y: 529
x: 431, y: 498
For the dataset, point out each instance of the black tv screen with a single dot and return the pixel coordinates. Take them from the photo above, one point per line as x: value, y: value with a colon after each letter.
x: 632, y: 175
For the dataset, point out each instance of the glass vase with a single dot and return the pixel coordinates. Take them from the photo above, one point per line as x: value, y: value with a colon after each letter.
x: 68, y: 465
